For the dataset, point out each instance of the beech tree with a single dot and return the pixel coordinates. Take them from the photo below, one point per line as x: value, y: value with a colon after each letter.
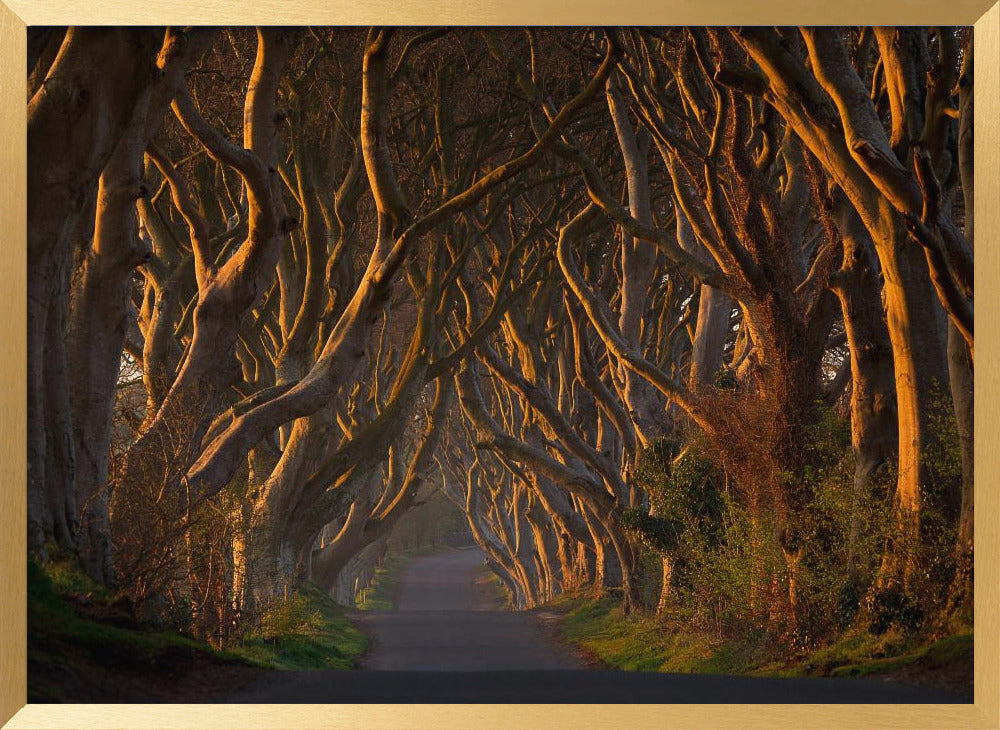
x: 648, y: 305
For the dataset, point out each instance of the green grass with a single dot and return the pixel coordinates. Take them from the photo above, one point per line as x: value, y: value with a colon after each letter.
x: 68, y: 579
x: 380, y: 594
x: 52, y: 624
x: 624, y: 643
x: 865, y: 661
x: 60, y: 641
x: 310, y: 631
x: 644, y: 643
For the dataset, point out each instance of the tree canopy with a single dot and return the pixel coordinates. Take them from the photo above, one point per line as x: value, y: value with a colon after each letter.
x: 683, y: 315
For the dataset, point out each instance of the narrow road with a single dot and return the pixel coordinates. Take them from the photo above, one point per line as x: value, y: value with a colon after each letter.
x: 447, y: 641
x: 443, y: 622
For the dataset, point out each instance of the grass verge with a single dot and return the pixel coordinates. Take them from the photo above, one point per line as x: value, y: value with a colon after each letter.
x: 381, y: 592
x: 644, y: 643
x: 308, y: 631
x: 84, y: 646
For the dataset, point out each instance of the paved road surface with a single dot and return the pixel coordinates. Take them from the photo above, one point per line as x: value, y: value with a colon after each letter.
x: 442, y: 622
x: 448, y: 642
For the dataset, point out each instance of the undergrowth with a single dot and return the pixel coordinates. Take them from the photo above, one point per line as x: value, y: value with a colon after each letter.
x: 77, y: 628
x: 654, y: 644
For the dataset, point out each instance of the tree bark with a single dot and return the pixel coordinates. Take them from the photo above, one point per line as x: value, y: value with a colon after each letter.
x: 637, y: 259
x: 850, y: 143
x: 714, y: 310
x: 100, y: 304
x: 960, y: 364
x: 74, y: 123
x: 873, y: 395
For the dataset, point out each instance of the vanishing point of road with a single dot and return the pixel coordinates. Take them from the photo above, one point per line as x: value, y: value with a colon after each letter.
x: 447, y: 640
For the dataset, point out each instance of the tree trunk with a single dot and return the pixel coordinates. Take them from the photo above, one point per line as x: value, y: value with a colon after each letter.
x: 848, y: 139
x: 714, y: 310
x: 173, y: 435
x: 959, y: 358
x: 637, y: 259
x: 333, y: 558
x: 666, y: 592
x: 95, y: 336
x: 873, y: 395
x: 75, y: 120
x: 917, y: 357
x: 100, y: 305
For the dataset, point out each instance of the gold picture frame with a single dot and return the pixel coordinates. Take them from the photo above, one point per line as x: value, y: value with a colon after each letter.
x: 15, y: 15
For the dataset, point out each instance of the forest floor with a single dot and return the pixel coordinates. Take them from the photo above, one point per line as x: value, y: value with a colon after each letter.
x: 650, y: 644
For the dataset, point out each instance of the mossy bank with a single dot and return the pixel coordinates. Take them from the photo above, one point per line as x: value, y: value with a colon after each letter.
x: 86, y: 646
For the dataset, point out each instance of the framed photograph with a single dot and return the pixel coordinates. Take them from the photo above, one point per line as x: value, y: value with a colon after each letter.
x: 495, y: 365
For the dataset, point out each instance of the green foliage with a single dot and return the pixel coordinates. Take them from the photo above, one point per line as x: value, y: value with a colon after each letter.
x: 310, y: 631
x: 944, y: 455
x: 683, y: 489
x: 889, y: 608
x: 828, y: 437
x: 735, y: 560
x: 671, y: 644
x: 829, y: 594
x: 69, y: 579
x: 306, y: 631
x: 725, y: 379
x: 893, y: 607
x: 297, y: 615
x: 656, y: 533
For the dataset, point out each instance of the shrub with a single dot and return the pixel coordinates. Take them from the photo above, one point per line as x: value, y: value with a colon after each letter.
x: 893, y: 607
x: 293, y: 616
